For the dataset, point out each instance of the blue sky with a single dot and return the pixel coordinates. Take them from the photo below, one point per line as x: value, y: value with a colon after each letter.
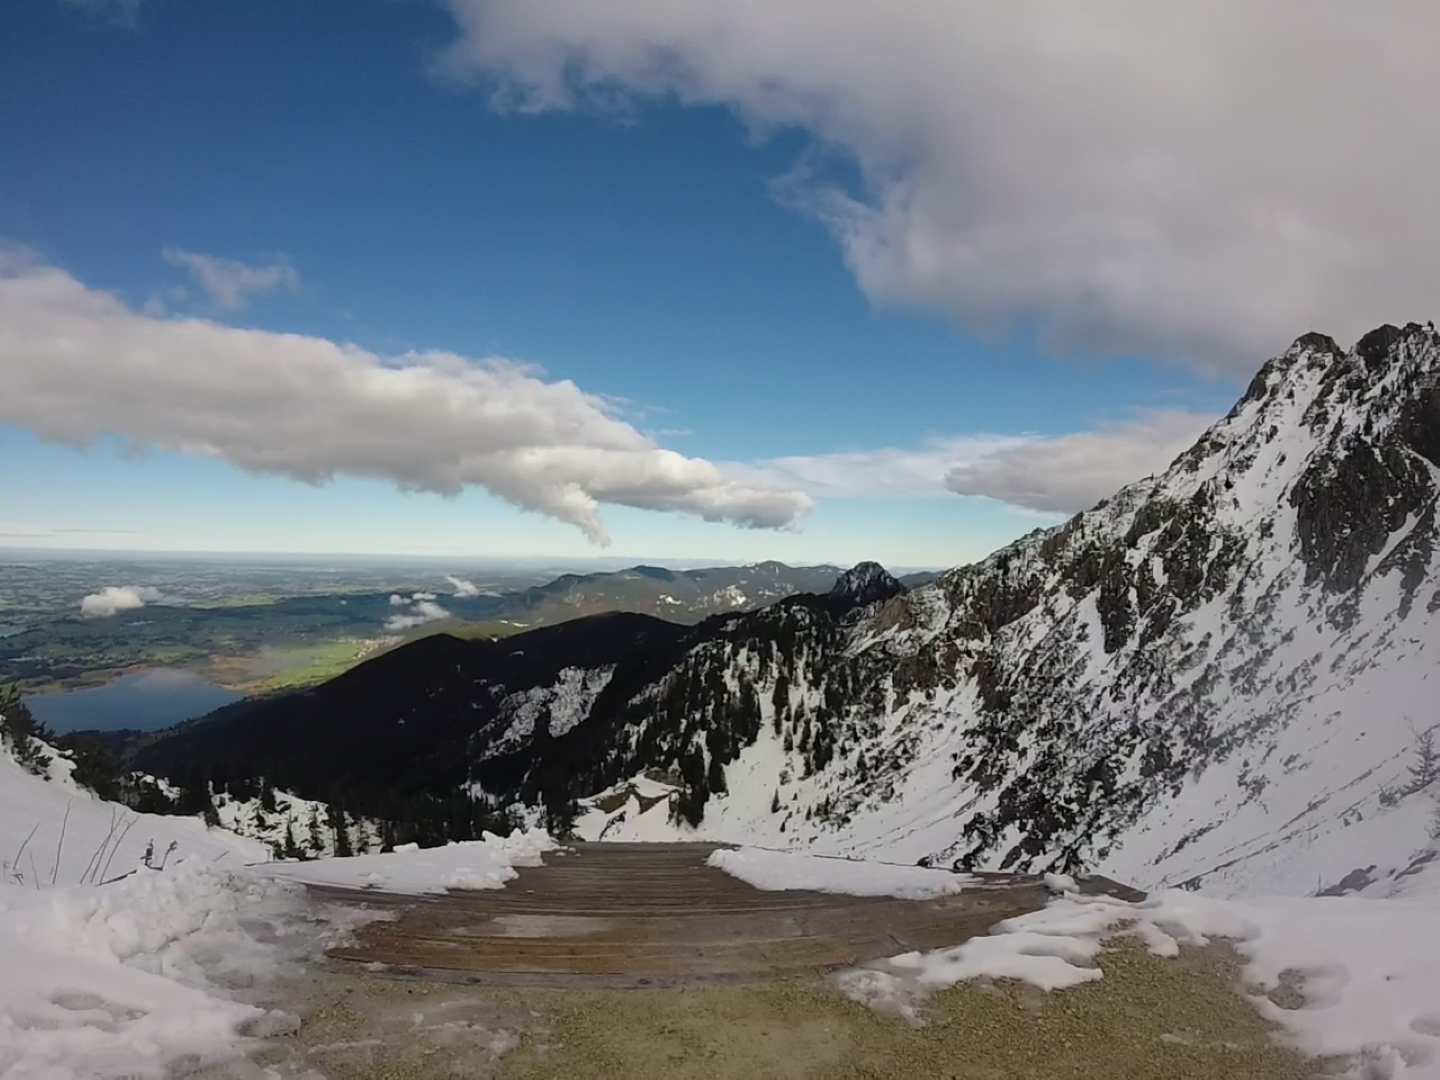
x: 638, y: 239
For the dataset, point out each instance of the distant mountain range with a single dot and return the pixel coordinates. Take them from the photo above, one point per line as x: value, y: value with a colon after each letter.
x: 684, y: 596
x: 270, y: 641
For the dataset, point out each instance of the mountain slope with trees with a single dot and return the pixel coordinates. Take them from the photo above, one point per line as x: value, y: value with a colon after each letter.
x: 1219, y: 677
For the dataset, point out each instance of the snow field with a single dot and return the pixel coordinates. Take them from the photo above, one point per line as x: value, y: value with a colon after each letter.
x: 110, y: 967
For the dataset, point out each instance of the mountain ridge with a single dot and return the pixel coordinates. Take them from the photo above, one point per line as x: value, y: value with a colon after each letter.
x: 1146, y: 689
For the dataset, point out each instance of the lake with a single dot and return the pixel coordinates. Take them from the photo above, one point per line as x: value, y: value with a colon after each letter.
x: 10, y: 629
x: 146, y: 701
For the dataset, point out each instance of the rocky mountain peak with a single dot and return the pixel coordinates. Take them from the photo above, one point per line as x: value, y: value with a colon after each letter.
x: 1214, y: 678
x: 865, y: 583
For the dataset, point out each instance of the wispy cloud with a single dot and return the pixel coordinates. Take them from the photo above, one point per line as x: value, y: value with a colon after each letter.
x: 229, y: 283
x: 1037, y: 474
x: 462, y: 587
x: 122, y: 12
x: 312, y: 409
x: 421, y: 612
x: 1067, y: 473
x: 884, y: 471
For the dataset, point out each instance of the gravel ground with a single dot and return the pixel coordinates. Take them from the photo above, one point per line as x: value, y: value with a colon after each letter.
x: 1148, y: 1018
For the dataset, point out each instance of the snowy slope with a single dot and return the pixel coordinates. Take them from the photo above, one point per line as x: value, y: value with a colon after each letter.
x: 54, y: 831
x: 1215, y: 679
x: 304, y: 822
x: 106, y: 965
x: 111, y: 966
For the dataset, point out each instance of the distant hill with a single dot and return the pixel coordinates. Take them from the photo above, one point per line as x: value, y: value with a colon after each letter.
x: 278, y: 642
x: 684, y: 596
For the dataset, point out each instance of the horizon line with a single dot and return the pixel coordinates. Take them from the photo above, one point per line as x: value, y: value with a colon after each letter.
x: 547, y: 561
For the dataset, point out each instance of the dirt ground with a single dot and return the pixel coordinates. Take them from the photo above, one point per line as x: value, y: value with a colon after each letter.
x: 1148, y: 1018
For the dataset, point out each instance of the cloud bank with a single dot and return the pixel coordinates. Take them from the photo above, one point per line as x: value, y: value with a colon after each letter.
x: 77, y: 364
x: 228, y: 283
x: 114, y: 599
x: 1194, y: 181
x: 1069, y: 473
x: 1057, y: 474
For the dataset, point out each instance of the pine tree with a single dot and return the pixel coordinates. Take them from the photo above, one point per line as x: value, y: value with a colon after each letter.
x: 267, y: 795
x: 775, y: 803
x: 715, y: 777
x: 1426, y: 769
x: 781, y: 697
x: 291, y: 848
x: 317, y: 841
x: 341, y: 830
x: 20, y: 732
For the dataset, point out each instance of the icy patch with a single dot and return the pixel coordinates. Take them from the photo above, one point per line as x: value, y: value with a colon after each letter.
x: 487, y: 863
x: 781, y: 870
x: 1341, y: 976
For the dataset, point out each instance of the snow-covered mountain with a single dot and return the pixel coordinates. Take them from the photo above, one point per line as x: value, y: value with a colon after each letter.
x: 1220, y: 677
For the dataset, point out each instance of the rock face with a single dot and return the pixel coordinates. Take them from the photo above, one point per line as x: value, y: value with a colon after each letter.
x: 866, y: 583
x: 1215, y: 678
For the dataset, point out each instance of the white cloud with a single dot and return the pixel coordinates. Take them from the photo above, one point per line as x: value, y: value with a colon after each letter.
x: 114, y: 599
x: 230, y: 283
x: 889, y: 470
x: 462, y: 587
x: 396, y: 600
x: 77, y: 363
x: 421, y: 596
x: 1043, y: 474
x: 1198, y: 181
x: 1068, y: 473
x: 424, y: 611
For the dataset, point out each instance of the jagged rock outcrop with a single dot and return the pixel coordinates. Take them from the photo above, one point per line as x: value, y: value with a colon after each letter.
x: 866, y: 583
x: 1211, y: 678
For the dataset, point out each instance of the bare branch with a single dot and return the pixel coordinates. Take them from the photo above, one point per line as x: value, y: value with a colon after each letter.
x: 60, y: 846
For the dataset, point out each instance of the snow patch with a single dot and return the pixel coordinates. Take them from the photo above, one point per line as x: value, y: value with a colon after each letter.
x: 565, y: 703
x: 1361, y: 976
x: 487, y: 863
x: 775, y: 871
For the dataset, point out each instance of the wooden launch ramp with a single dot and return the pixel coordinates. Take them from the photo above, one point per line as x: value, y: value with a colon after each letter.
x: 640, y: 914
